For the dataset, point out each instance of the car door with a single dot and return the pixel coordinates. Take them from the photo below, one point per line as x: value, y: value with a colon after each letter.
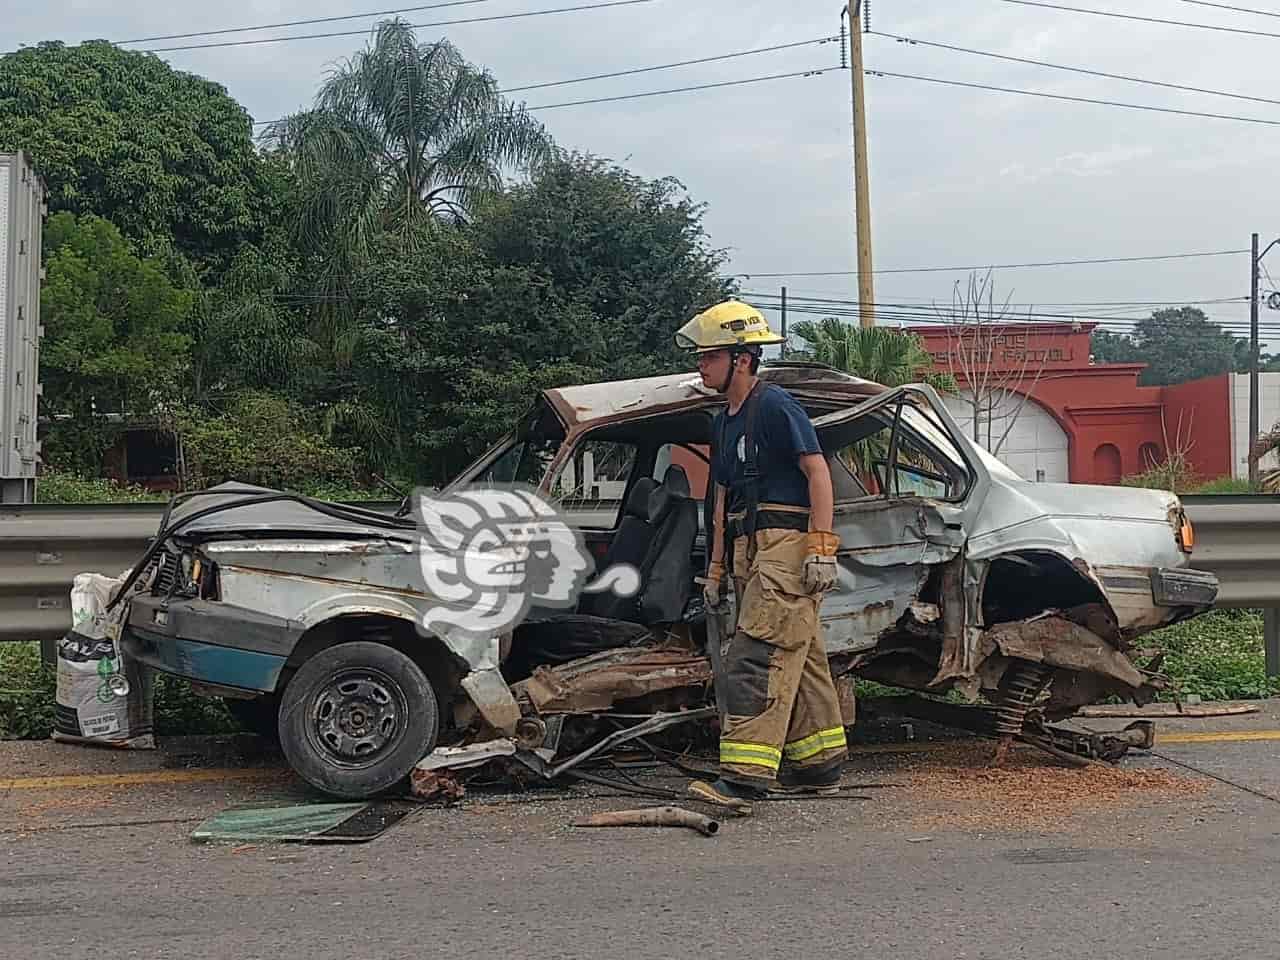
x: 901, y: 483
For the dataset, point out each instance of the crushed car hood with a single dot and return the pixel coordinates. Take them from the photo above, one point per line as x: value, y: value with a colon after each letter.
x: 282, y: 517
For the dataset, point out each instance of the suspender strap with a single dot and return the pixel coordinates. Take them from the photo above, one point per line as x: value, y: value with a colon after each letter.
x: 752, y: 468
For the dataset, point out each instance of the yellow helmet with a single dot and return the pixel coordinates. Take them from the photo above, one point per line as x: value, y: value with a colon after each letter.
x: 725, y: 326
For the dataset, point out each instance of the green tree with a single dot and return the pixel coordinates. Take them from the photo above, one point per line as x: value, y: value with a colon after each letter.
x: 1177, y: 345
x: 401, y: 133
x: 116, y: 336
x: 582, y: 275
x: 880, y: 354
x: 166, y: 156
x: 631, y: 254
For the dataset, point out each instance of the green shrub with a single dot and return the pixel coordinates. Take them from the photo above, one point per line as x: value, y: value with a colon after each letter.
x: 28, y: 691
x: 1224, y: 485
x: 266, y: 440
x: 56, y: 486
x: 1218, y: 656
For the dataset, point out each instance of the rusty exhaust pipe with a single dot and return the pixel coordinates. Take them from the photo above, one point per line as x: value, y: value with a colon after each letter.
x: 653, y: 817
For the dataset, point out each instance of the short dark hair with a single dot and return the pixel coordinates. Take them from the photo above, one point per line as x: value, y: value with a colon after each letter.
x: 753, y: 352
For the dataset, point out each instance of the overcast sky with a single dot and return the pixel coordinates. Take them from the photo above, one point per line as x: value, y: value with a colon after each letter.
x: 958, y: 176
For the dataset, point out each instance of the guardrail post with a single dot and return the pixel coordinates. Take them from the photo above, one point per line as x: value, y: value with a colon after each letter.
x: 1271, y: 639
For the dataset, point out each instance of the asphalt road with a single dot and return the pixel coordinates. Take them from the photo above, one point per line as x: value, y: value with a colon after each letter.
x: 97, y: 862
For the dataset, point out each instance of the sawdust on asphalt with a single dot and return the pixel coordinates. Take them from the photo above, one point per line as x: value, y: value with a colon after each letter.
x: 957, y: 787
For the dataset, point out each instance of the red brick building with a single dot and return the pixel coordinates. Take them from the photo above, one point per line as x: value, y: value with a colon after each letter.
x: 1061, y: 417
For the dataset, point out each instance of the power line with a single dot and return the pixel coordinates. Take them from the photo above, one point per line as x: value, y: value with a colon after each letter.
x: 938, y: 304
x: 1101, y: 305
x: 915, y: 315
x: 654, y: 93
x: 1133, y: 16
x: 934, y: 310
x: 701, y: 86
x: 669, y: 66
x: 1002, y: 266
x: 415, y: 26
x: 1123, y: 325
x: 1227, y: 6
x: 299, y: 23
x: 1062, y: 96
x: 1057, y: 66
x: 1012, y: 317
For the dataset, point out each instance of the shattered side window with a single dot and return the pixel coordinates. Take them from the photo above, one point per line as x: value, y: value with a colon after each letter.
x: 591, y: 484
x: 925, y: 464
x: 524, y: 462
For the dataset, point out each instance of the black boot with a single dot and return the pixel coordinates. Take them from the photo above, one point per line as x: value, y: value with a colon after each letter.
x: 727, y: 793
x: 823, y: 781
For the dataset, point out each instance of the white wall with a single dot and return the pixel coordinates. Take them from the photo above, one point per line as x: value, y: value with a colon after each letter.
x: 1036, y: 447
x: 1268, y: 417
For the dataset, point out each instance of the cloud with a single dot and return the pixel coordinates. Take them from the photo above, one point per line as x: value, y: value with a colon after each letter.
x: 957, y: 175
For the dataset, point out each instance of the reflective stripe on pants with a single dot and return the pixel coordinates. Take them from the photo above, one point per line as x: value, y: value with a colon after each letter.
x: 830, y: 739
x: 751, y: 754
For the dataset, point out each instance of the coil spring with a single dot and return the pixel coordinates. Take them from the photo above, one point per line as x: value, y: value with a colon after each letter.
x: 1025, y: 684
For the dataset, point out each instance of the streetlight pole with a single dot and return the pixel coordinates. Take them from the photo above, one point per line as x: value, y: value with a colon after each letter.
x: 861, y: 193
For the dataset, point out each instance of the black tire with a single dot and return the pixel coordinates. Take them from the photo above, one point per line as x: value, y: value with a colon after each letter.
x: 356, y: 717
x: 259, y: 715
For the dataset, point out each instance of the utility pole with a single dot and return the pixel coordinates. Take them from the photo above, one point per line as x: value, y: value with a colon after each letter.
x: 1253, y: 364
x: 861, y: 195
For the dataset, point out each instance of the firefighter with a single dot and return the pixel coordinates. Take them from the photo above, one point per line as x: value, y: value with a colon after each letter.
x: 771, y: 528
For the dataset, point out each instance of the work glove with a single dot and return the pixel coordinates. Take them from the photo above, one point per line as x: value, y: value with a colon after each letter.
x: 714, y: 579
x: 820, y: 566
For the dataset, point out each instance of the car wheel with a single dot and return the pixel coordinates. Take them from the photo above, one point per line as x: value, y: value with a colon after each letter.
x: 356, y: 717
x: 259, y: 715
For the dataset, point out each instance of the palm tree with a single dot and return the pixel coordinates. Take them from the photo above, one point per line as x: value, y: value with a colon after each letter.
x: 880, y: 354
x: 401, y: 134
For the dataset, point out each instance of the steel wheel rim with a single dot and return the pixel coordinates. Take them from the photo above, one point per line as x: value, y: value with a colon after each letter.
x: 357, y: 717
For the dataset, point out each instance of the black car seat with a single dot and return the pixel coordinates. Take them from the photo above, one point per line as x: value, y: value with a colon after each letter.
x: 666, y: 575
x: 630, y: 545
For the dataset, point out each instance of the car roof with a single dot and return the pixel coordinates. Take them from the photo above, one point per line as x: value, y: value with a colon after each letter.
x: 621, y: 399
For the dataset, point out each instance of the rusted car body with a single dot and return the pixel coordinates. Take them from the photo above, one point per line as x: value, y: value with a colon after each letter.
x: 954, y: 574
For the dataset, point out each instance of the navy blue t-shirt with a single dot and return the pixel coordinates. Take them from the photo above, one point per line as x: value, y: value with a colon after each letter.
x: 783, y: 433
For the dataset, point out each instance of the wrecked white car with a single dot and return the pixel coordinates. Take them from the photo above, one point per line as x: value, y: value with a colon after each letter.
x: 955, y: 574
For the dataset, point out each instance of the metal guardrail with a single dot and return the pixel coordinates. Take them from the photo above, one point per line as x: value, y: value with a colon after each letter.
x: 1238, y: 538
x: 43, y: 547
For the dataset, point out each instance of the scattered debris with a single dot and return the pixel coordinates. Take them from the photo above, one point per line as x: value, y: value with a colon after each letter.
x: 436, y: 785
x: 470, y: 755
x: 599, y: 681
x: 303, y: 822
x: 919, y: 839
x: 653, y: 817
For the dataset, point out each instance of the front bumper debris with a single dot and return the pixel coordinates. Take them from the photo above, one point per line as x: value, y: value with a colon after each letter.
x: 1183, y: 587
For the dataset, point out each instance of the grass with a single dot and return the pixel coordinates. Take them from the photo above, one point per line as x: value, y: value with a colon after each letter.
x: 56, y: 486
x: 1224, y: 485
x: 28, y: 689
x: 1218, y: 656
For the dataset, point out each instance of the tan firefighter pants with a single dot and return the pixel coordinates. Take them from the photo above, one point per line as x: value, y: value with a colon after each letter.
x: 780, y: 698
